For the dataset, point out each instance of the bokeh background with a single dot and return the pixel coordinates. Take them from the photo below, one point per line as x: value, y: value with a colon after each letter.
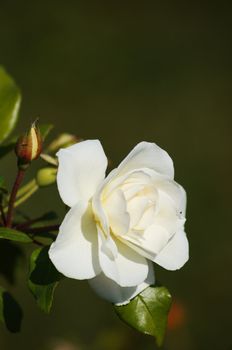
x: 124, y: 72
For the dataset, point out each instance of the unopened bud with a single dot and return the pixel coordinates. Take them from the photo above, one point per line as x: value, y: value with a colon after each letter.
x: 46, y: 176
x: 29, y: 146
x: 62, y: 141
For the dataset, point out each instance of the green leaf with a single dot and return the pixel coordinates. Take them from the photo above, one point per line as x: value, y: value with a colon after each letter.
x: 43, y: 278
x: 10, y: 99
x: 45, y: 130
x: 148, y: 312
x: 10, y: 312
x: 13, y: 235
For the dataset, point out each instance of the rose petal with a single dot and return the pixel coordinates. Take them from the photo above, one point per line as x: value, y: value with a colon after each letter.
x: 127, y: 268
x: 148, y: 243
x: 175, y: 254
x: 81, y: 168
x: 176, y: 193
x: 130, y: 190
x: 167, y: 214
x: 147, y: 219
x: 111, y: 291
x: 136, y: 208
x: 75, y: 251
x: 108, y: 246
x: 116, y: 209
x: 98, y: 210
x: 111, y: 183
x: 148, y: 155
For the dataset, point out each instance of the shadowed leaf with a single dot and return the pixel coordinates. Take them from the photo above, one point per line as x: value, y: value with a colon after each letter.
x: 43, y: 278
x: 10, y: 256
x: 10, y: 311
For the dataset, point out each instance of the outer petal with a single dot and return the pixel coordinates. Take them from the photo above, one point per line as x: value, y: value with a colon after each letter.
x: 177, y: 194
x: 81, y: 168
x: 111, y: 291
x: 148, y: 155
x: 175, y: 254
x: 127, y: 268
x: 168, y: 214
x: 75, y: 251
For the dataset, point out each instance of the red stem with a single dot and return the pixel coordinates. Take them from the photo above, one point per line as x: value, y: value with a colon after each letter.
x: 17, y: 183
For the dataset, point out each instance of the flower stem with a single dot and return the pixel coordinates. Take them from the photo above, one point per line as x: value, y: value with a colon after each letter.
x: 27, y: 192
x: 26, y: 195
x: 17, y: 183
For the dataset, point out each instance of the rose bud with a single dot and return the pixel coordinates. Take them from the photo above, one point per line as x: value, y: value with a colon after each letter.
x: 46, y: 176
x: 29, y: 146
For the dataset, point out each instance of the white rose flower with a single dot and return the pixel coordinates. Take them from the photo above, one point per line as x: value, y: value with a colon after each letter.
x: 118, y: 225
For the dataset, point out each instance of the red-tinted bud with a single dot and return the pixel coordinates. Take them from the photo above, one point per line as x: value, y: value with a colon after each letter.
x: 29, y: 146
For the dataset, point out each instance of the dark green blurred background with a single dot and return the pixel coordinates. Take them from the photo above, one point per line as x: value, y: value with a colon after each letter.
x: 125, y: 72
